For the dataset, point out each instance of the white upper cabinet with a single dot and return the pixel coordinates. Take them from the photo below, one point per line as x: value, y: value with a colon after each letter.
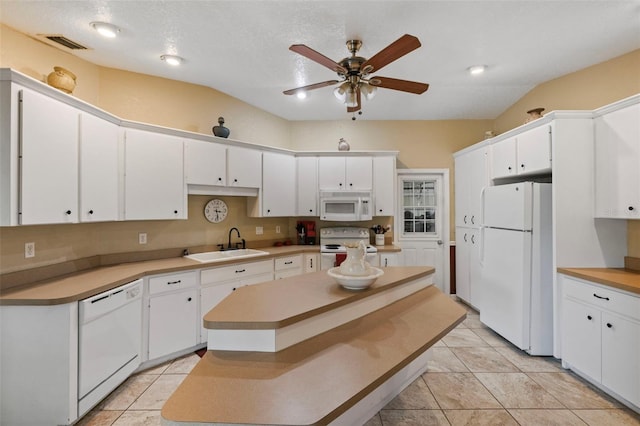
x: 617, y: 163
x: 471, y: 177
x: 307, y: 188
x: 278, y: 184
x: 345, y: 173
x: 244, y: 167
x: 205, y: 163
x: 49, y: 160
x: 384, y: 178
x: 528, y: 153
x: 154, y: 176
x: 98, y: 169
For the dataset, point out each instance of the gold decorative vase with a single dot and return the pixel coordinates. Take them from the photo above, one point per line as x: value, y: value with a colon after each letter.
x: 62, y: 79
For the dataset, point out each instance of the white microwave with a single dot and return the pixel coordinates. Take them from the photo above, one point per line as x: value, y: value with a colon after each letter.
x: 345, y: 206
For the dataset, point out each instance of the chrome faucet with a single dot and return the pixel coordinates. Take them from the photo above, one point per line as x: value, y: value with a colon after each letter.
x: 229, y: 242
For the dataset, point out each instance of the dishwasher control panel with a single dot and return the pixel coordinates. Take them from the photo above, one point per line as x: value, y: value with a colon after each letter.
x: 103, y: 303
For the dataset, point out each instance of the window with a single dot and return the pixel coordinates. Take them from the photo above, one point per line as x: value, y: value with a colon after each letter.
x: 419, y: 206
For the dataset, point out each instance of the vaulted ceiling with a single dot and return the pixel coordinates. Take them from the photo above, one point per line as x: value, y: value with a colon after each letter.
x: 241, y: 47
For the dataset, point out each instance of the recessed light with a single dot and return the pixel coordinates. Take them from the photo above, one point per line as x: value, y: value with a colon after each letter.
x: 105, y: 29
x: 172, y: 59
x: 477, y: 69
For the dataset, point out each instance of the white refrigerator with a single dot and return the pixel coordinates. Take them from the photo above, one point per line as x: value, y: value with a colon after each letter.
x: 516, y: 280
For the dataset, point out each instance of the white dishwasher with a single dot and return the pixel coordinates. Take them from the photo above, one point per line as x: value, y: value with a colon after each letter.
x: 109, y: 342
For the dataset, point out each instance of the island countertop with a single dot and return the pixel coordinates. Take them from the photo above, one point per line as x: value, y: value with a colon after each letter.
x: 313, y: 293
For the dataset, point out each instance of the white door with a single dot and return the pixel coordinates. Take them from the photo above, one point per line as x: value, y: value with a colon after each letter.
x: 422, y: 221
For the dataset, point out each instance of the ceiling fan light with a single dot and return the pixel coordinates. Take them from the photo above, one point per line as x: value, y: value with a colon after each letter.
x: 368, y: 91
x: 172, y: 60
x: 301, y: 94
x: 477, y: 69
x: 351, y: 98
x: 340, y: 92
x: 105, y: 29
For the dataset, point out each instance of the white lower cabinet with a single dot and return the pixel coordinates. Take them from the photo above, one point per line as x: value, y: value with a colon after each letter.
x: 389, y: 259
x: 288, y: 266
x: 172, y: 313
x: 601, y: 337
x: 468, y: 265
x: 311, y: 262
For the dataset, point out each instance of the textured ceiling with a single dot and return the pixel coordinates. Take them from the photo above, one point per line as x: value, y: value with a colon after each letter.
x: 241, y: 47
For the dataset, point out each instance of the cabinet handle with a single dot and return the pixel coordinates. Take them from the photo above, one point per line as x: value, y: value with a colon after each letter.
x: 386, y: 261
x: 268, y: 210
x: 609, y: 325
x: 241, y: 271
x: 509, y: 168
x: 289, y: 262
x: 234, y: 289
x: 465, y: 237
x: 189, y: 300
x: 473, y: 239
x: 340, y: 184
x: 311, y: 262
x: 464, y: 219
x: 68, y: 212
x: 473, y: 219
x: 90, y: 211
x: 310, y: 210
x: 522, y: 166
x: 350, y: 184
x: 380, y: 210
x: 600, y: 297
x: 235, y: 180
x: 589, y: 317
x: 174, y: 282
x: 631, y: 208
x: 219, y: 179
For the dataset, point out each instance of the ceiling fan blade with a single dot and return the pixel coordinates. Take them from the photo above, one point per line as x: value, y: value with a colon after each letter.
x: 310, y: 87
x: 395, y: 50
x: 308, y: 52
x: 402, y: 85
x: 358, y: 103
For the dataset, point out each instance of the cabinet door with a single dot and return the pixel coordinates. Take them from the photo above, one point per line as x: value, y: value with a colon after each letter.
x: 475, y: 268
x: 463, y: 244
x: 359, y: 173
x: 205, y: 163
x: 621, y: 356
x: 311, y: 263
x: 209, y: 298
x: 617, y: 169
x: 389, y: 259
x: 244, y: 167
x: 331, y: 173
x: 49, y: 160
x: 462, y: 191
x: 278, y: 185
x: 173, y: 323
x: 154, y: 177
x: 307, y: 189
x: 384, y: 173
x: 534, y: 151
x: 581, y: 338
x: 98, y: 169
x: 503, y: 156
x: 478, y: 180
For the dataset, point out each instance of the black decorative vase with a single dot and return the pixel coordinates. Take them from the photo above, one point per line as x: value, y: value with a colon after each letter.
x: 220, y: 130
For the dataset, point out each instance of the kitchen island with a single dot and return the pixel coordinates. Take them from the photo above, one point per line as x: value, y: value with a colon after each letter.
x: 342, y: 375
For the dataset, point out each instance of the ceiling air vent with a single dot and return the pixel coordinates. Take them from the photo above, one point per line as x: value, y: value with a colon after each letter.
x: 62, y: 40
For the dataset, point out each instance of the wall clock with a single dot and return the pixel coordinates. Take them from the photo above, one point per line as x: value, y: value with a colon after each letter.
x: 215, y: 210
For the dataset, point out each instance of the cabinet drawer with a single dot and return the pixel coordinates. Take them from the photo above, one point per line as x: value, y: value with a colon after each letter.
x: 164, y: 283
x: 237, y: 271
x: 602, y: 297
x: 289, y: 262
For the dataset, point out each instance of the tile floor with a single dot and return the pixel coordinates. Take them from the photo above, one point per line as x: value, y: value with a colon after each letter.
x: 475, y: 378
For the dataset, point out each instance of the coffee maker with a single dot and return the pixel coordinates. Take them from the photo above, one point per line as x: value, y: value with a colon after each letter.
x: 306, y: 230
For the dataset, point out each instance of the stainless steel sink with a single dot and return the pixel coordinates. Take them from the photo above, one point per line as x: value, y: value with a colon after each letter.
x: 217, y: 256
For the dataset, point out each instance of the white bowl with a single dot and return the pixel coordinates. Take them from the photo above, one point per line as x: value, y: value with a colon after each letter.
x: 355, y: 282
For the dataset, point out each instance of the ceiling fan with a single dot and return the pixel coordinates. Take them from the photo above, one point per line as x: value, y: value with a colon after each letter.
x: 354, y: 72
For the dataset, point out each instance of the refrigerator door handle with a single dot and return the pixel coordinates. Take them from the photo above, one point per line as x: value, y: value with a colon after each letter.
x: 482, y: 206
x: 482, y: 245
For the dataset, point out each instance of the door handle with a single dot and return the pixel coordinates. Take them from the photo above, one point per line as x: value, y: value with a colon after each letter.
x: 440, y: 242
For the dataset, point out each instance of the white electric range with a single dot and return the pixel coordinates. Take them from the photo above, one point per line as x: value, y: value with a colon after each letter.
x: 332, y: 242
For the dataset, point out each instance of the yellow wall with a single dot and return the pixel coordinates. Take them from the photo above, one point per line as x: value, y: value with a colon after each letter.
x: 422, y: 144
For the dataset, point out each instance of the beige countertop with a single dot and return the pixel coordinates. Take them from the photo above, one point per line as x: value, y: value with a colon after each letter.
x: 620, y: 278
x: 315, y: 381
x: 314, y: 293
x: 89, y: 282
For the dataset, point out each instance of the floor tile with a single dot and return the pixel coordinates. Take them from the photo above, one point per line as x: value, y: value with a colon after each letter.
x: 444, y: 361
x: 158, y: 393
x: 527, y: 363
x: 416, y: 396
x: 473, y: 321
x: 374, y: 421
x: 128, y: 392
x: 183, y: 365
x: 517, y: 390
x: 546, y: 418
x: 491, y: 338
x: 618, y: 417
x: 484, y: 359
x: 459, y: 391
x: 572, y: 392
x: 158, y: 369
x: 462, y: 337
x: 99, y: 418
x: 480, y: 418
x: 413, y: 418
x: 139, y: 418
